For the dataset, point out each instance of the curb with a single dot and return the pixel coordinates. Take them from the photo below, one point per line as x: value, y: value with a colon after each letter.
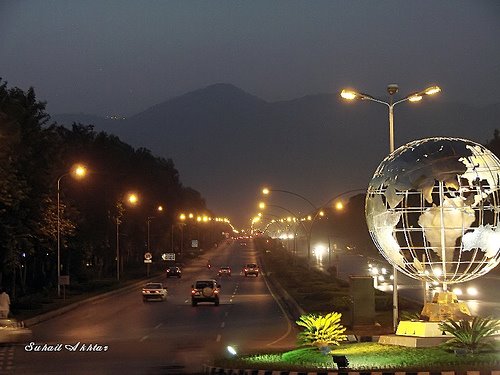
x: 224, y: 371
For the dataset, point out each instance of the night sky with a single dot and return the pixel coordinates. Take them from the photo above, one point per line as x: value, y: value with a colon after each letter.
x: 122, y: 57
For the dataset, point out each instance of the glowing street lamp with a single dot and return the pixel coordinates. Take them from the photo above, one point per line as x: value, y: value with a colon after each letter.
x: 391, y: 89
x: 414, y: 97
x: 78, y: 171
x: 132, y: 199
x: 159, y: 209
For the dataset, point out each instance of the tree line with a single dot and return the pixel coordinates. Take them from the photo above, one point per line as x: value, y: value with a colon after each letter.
x: 36, y: 154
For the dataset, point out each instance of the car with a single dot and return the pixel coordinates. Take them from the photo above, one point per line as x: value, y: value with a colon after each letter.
x: 174, y: 271
x: 225, y: 271
x: 12, y: 331
x: 205, y: 291
x: 251, y: 269
x: 154, y: 291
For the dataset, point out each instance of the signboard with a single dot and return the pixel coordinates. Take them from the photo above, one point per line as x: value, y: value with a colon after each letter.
x: 194, y: 243
x: 64, y: 280
x: 168, y: 256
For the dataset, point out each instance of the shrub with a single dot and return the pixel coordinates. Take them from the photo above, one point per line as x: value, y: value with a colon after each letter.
x: 472, y: 335
x: 321, y: 330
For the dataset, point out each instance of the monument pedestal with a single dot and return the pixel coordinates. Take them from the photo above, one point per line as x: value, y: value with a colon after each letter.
x: 422, y: 334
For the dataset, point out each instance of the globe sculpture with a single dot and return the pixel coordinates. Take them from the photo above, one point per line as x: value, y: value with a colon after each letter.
x: 433, y: 208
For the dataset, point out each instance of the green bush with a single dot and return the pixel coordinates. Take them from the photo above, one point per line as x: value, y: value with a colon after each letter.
x: 321, y: 330
x: 471, y: 335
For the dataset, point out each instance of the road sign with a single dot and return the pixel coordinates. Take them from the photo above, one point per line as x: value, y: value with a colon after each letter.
x: 148, y: 256
x: 168, y: 256
x: 148, y: 261
x: 64, y: 280
x: 194, y: 243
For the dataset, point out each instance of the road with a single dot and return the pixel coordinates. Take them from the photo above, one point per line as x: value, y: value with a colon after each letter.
x: 123, y: 335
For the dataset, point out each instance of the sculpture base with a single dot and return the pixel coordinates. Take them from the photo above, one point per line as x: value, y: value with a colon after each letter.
x: 416, y: 334
x: 420, y: 329
x: 412, y: 342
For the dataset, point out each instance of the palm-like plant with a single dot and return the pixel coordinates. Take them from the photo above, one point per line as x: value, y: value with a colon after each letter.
x: 471, y: 334
x: 321, y: 331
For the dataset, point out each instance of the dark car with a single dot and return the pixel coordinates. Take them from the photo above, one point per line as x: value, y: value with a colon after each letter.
x: 251, y: 269
x: 205, y: 291
x: 174, y: 272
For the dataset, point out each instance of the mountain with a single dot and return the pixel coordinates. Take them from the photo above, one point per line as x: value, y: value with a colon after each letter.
x: 227, y: 143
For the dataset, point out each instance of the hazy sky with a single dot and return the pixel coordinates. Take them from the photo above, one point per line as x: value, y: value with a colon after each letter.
x: 103, y: 57
x: 121, y: 57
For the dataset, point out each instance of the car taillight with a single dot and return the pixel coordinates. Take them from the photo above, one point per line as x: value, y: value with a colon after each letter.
x: 246, y: 269
x: 193, y: 291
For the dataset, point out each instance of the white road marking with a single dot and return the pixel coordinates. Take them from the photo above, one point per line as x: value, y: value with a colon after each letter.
x: 223, y: 324
x: 144, y: 338
x: 159, y: 325
x: 218, y: 338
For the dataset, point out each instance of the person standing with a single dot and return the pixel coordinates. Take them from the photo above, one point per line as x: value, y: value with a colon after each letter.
x: 4, y: 304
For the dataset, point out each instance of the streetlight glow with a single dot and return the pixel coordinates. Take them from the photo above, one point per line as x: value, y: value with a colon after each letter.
x: 79, y: 171
x: 349, y: 95
x: 415, y: 98
x: 432, y: 90
x: 339, y: 206
x: 262, y: 205
x: 265, y: 191
x: 132, y: 198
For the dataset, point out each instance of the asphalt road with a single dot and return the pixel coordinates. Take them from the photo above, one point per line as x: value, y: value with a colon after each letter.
x: 122, y: 335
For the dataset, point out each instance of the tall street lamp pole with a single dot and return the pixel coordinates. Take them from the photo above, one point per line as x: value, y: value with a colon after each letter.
x: 77, y: 171
x: 131, y: 199
x: 414, y: 97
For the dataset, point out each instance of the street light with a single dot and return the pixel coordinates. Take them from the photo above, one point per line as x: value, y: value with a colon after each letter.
x: 78, y: 171
x: 266, y: 191
x: 159, y: 209
x: 132, y: 199
x: 391, y: 89
x: 414, y: 97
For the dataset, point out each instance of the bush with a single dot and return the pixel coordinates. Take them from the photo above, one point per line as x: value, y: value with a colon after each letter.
x: 472, y: 335
x: 321, y: 330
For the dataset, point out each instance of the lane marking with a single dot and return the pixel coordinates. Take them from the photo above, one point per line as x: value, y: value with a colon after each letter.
x: 223, y: 324
x: 218, y: 338
x: 226, y: 314
x: 144, y: 338
x: 159, y: 325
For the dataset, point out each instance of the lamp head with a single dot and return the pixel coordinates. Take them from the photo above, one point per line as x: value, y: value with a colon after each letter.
x: 392, y: 88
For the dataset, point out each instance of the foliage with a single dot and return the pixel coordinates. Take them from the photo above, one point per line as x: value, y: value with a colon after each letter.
x: 321, y: 330
x: 370, y: 356
x: 35, y: 156
x: 472, y: 335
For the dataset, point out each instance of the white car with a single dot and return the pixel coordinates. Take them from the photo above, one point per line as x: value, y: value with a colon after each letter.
x: 154, y: 291
x: 13, y: 331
